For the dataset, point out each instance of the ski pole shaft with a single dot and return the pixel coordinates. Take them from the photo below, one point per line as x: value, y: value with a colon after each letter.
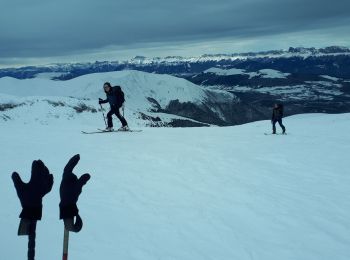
x: 104, y: 118
x: 31, y: 241
x: 65, y: 244
x: 31, y: 247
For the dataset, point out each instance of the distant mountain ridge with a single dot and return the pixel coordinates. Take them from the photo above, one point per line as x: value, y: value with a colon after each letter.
x: 177, y: 65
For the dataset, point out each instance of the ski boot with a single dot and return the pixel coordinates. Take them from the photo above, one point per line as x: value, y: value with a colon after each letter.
x: 109, y: 129
x: 124, y: 128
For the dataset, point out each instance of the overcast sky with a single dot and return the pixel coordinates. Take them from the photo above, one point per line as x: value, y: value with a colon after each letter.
x: 46, y: 31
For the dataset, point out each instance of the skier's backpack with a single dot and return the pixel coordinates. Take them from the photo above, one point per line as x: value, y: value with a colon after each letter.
x: 281, y: 108
x: 120, y: 95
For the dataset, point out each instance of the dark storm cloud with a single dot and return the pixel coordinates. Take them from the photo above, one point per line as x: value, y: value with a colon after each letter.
x: 44, y: 28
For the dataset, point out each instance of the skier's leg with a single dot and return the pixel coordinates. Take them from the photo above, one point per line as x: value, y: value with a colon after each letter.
x: 274, y: 126
x: 120, y: 117
x: 109, y: 118
x: 282, y: 126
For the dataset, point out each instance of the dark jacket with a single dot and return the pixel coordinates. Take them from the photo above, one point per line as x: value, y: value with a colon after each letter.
x: 277, y: 113
x: 115, y: 97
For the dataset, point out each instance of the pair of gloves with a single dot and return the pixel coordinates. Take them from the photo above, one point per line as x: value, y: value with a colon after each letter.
x: 31, y: 194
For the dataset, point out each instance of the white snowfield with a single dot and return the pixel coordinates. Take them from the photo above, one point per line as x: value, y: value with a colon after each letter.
x: 188, y: 193
x: 225, y: 72
x: 270, y: 73
x: 264, y: 73
x: 55, y: 99
x: 330, y: 78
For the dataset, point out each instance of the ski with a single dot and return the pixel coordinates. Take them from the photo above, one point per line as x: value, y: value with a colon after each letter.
x: 130, y: 130
x: 101, y: 131
x: 275, y: 134
x: 94, y: 132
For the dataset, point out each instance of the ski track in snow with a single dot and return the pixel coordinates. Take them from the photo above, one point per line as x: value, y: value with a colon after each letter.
x: 194, y: 193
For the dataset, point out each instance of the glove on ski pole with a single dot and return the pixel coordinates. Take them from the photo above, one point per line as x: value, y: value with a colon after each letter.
x: 31, y: 194
x: 70, y: 189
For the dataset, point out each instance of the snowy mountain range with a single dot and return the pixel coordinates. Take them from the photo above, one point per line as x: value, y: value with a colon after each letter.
x: 182, y: 66
x: 305, y: 79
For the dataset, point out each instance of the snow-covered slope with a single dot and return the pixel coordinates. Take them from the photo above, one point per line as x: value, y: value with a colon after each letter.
x: 264, y: 73
x: 270, y: 73
x: 189, y: 194
x: 144, y: 93
x: 135, y: 85
x: 230, y: 72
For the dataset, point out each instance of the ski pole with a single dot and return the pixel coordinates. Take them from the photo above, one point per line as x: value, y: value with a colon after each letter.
x: 31, y: 240
x: 104, y: 118
x: 65, y: 244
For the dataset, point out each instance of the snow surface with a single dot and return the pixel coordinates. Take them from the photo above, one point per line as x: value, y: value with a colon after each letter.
x: 330, y: 78
x: 264, y: 73
x: 49, y: 75
x: 270, y: 73
x: 230, y: 72
x: 225, y: 72
x: 187, y: 194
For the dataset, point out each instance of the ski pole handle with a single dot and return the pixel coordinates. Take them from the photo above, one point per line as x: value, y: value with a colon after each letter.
x: 65, y: 244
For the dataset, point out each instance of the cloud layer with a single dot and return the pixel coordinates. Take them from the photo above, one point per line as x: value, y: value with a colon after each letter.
x: 48, y: 28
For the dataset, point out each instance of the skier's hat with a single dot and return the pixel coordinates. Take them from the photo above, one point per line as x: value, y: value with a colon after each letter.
x: 107, y: 84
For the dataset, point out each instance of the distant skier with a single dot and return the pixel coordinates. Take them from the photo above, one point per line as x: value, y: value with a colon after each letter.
x: 277, y: 115
x: 115, y: 98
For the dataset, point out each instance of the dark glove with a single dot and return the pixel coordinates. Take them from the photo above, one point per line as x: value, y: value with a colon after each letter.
x: 70, y: 190
x: 100, y: 101
x: 31, y: 194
